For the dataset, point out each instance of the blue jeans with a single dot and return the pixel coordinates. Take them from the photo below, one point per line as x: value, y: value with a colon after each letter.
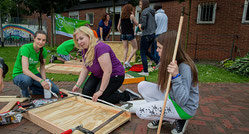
x: 145, y: 43
x: 153, y: 49
x: 65, y: 57
x: 25, y: 82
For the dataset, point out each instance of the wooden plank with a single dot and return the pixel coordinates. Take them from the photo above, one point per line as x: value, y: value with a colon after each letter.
x: 118, y: 49
x: 12, y: 99
x: 132, y: 77
x: 8, y: 96
x: 63, y: 68
x: 74, y: 62
x: 8, y: 107
x: 71, y: 112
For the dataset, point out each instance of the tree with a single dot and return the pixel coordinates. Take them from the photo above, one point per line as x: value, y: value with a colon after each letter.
x: 48, y: 7
x: 5, y: 6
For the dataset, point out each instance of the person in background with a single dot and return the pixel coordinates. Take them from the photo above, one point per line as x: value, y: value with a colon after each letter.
x: 104, y: 28
x: 148, y: 27
x: 107, y: 73
x: 63, y: 52
x: 25, y: 75
x: 183, y: 97
x: 3, y: 71
x: 125, y: 27
x: 162, y: 26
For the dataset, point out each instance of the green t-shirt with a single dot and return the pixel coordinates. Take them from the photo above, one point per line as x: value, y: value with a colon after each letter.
x: 28, y: 50
x: 66, y: 47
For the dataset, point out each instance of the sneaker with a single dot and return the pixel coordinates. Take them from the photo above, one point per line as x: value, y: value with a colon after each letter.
x: 144, y: 73
x: 154, y: 124
x: 132, y: 94
x: 127, y: 64
x: 181, y: 126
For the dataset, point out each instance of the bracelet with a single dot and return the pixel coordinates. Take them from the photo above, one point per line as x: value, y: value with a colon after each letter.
x: 77, y: 85
x: 176, y: 76
x: 41, y: 81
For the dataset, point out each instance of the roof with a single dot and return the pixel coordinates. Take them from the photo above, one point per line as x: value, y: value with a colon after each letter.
x: 90, y: 4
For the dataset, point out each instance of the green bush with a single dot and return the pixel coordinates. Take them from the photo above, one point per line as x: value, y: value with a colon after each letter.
x: 239, y: 66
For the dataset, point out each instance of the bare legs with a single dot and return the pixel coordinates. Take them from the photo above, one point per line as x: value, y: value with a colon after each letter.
x: 133, y: 52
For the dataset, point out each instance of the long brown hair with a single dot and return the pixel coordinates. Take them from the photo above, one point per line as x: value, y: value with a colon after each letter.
x: 104, y: 17
x: 167, y: 40
x: 126, y: 11
x: 41, y: 49
x: 145, y: 4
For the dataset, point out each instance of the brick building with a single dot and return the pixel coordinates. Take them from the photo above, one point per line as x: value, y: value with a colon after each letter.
x: 218, y: 29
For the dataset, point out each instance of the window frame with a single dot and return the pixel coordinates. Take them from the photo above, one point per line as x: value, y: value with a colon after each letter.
x: 117, y: 11
x: 200, y: 11
x: 246, y: 5
x: 87, y: 18
x: 74, y: 13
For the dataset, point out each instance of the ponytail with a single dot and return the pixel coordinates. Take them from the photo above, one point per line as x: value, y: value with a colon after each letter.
x: 41, y: 56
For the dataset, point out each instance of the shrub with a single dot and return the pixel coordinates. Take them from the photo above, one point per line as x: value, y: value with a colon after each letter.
x: 239, y: 66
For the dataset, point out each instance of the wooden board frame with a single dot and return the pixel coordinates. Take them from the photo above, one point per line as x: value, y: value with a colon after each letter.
x: 50, y: 68
x: 118, y: 49
x: 73, y: 62
x: 62, y: 119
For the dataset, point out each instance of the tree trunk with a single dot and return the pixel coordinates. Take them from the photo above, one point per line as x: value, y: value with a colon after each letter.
x: 40, y: 21
x: 188, y: 25
x: 113, y: 19
x: 52, y: 26
x: 1, y: 28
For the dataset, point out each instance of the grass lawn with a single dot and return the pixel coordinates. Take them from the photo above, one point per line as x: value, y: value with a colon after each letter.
x: 207, y: 73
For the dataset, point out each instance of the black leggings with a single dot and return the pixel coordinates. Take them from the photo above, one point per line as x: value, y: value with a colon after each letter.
x: 110, y: 94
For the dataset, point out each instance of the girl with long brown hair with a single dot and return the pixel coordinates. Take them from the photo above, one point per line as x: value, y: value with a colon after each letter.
x: 125, y: 27
x: 183, y: 99
x: 25, y: 75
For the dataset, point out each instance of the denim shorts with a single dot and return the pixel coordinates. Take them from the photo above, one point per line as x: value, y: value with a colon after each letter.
x: 128, y: 37
x: 65, y: 57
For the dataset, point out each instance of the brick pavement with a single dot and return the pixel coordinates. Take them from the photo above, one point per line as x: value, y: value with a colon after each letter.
x: 224, y: 108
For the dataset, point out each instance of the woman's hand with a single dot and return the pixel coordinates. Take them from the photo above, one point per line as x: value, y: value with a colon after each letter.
x: 75, y: 89
x: 45, y: 85
x: 97, y: 95
x: 173, y: 68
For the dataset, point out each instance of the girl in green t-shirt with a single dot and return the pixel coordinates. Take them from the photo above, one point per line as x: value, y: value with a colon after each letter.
x: 25, y: 74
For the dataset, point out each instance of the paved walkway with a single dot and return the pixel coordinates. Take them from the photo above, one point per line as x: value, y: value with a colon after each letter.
x: 224, y: 108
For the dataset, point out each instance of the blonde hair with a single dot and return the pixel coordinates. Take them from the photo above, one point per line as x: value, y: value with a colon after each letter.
x: 89, y: 55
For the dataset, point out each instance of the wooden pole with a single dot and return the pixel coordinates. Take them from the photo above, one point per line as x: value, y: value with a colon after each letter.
x: 169, y: 79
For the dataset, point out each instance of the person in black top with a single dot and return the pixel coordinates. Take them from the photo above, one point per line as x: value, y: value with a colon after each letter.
x: 3, y: 71
x: 125, y: 27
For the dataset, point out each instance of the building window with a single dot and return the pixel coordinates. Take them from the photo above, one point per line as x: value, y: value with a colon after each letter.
x: 74, y: 14
x: 90, y: 17
x: 245, y: 17
x: 206, y: 13
x: 116, y: 17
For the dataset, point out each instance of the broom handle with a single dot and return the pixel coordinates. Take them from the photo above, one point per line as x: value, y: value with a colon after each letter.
x: 169, y: 79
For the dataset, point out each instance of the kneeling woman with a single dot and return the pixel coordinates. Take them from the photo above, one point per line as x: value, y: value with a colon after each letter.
x: 25, y: 74
x: 107, y: 73
x: 183, y: 99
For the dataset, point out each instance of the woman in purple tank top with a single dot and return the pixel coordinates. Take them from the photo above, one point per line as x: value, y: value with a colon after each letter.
x: 107, y: 73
